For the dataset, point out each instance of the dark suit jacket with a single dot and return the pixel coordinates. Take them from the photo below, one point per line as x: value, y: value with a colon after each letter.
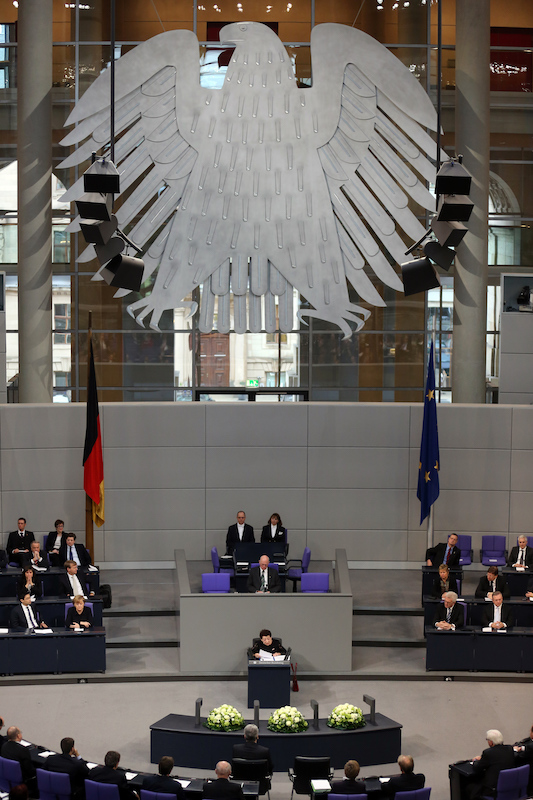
x: 513, y: 557
x: 347, y: 786
x: 17, y: 752
x: 492, y: 760
x: 116, y: 776
x: 436, y: 589
x: 65, y: 582
x: 50, y: 540
x: 17, y: 620
x: 3, y: 559
x: 83, y: 555
x: 75, y: 768
x: 43, y: 563
x: 222, y: 788
x: 275, y: 647
x: 232, y: 537
x: 15, y: 540
x: 253, y: 750
x: 487, y: 615
x: 37, y: 589
x: 436, y: 554
x: 254, y: 580
x: 163, y: 783
x: 73, y: 616
x: 406, y: 782
x: 266, y: 534
x: 457, y: 619
x: 484, y: 587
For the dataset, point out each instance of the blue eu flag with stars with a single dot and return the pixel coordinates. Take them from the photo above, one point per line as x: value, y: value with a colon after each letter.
x: 428, y: 468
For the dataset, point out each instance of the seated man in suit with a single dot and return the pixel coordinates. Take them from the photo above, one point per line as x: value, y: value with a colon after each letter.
x: 406, y: 781
x: 110, y: 773
x: 444, y: 553
x: 492, y: 582
x: 263, y: 579
x: 222, y: 788
x: 16, y: 751
x: 489, y: 764
x: 496, y: 615
x: 73, y: 552
x: 70, y: 763
x: 250, y: 749
x: 163, y: 782
x: 37, y: 558
x: 349, y: 784
x: 268, y: 644
x: 18, y: 542
x: 521, y: 556
x: 524, y: 755
x: 74, y: 581
x: 240, y: 532
x: 450, y: 616
x: 23, y: 616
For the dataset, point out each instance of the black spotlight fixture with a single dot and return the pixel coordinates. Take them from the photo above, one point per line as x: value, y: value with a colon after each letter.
x: 452, y: 188
x: 100, y: 227
x: 419, y: 276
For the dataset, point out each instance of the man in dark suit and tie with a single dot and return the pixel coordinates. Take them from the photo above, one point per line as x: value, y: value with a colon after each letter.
x: 495, y: 615
x: 24, y: 616
x: 110, y: 773
x: 222, y: 788
x: 524, y: 755
x: 492, y: 582
x: 163, y: 782
x: 74, y: 581
x: 240, y: 532
x: 264, y: 579
x: 450, y: 616
x: 444, y: 553
x: 489, y: 764
x: 70, y: 551
x: 16, y: 751
x: 37, y: 558
x: 406, y: 781
x: 69, y: 763
x: 349, y: 784
x: 18, y: 543
x: 522, y: 555
x: 250, y: 749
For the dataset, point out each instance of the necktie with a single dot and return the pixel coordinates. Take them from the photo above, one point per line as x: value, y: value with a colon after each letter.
x: 448, y: 555
x: 263, y: 580
x: 448, y: 615
x: 521, y: 557
x: 71, y: 554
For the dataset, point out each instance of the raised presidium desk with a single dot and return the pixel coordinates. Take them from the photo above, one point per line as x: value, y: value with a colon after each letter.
x: 60, y: 651
x: 248, y: 553
x: 198, y: 747
x: 269, y: 682
x: 474, y: 650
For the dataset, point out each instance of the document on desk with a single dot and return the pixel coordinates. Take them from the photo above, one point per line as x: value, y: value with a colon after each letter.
x: 264, y: 655
x: 182, y: 782
x: 47, y: 753
x: 320, y: 785
x: 25, y: 743
x: 42, y: 630
x: 91, y: 764
x: 384, y: 780
x: 4, y: 630
x: 131, y: 775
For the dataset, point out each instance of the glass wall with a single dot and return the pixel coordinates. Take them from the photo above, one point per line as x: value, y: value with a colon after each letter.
x: 386, y: 360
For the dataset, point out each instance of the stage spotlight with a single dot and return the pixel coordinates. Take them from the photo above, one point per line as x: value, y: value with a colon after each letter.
x: 449, y: 234
x: 419, y: 276
x: 105, y: 252
x: 102, y: 176
x: 453, y: 178
x: 124, y: 272
x: 97, y: 231
x: 454, y: 207
x: 94, y: 205
x: 442, y: 256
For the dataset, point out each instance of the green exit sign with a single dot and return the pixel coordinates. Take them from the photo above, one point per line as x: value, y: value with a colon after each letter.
x: 252, y: 382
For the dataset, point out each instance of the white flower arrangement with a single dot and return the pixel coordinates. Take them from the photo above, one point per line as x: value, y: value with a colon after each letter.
x: 225, y: 718
x: 346, y: 717
x: 287, y: 719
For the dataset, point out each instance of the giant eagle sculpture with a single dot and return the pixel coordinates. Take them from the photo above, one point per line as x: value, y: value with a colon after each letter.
x: 263, y: 186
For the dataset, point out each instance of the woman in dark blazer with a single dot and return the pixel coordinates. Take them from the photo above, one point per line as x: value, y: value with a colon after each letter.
x: 30, y: 582
x: 79, y: 616
x: 443, y: 583
x: 274, y: 531
x: 53, y: 542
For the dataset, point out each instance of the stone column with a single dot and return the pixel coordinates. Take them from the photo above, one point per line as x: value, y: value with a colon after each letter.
x: 34, y: 117
x: 472, y: 139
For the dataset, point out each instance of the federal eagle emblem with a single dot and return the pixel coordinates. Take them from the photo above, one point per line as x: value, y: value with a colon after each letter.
x: 263, y: 186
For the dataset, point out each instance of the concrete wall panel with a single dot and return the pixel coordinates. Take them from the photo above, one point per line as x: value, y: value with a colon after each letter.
x: 250, y: 467
x: 360, y: 467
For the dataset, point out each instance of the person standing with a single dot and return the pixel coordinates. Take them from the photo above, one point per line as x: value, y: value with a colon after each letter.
x: 239, y: 532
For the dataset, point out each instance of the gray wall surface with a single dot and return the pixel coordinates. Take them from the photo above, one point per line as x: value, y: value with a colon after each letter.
x: 341, y: 475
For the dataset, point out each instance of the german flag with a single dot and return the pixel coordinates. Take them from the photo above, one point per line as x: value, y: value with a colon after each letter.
x: 93, y: 464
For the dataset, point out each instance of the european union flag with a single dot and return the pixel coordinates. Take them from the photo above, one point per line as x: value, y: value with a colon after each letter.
x: 428, y: 469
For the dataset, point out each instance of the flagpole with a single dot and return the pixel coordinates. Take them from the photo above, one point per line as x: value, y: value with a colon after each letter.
x: 89, y: 524
x: 430, y: 515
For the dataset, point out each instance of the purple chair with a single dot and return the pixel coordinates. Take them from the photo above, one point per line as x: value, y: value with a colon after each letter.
x: 53, y: 785
x: 512, y: 784
x: 332, y: 796
x: 215, y: 560
x: 10, y: 773
x: 215, y: 583
x: 493, y: 552
x: 101, y: 791
x: 294, y: 574
x: 146, y: 794
x: 416, y: 794
x: 464, y: 543
x: 315, y: 582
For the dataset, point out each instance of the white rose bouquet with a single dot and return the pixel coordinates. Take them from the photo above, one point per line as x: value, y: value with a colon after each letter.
x: 287, y: 719
x: 346, y: 717
x: 225, y: 718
